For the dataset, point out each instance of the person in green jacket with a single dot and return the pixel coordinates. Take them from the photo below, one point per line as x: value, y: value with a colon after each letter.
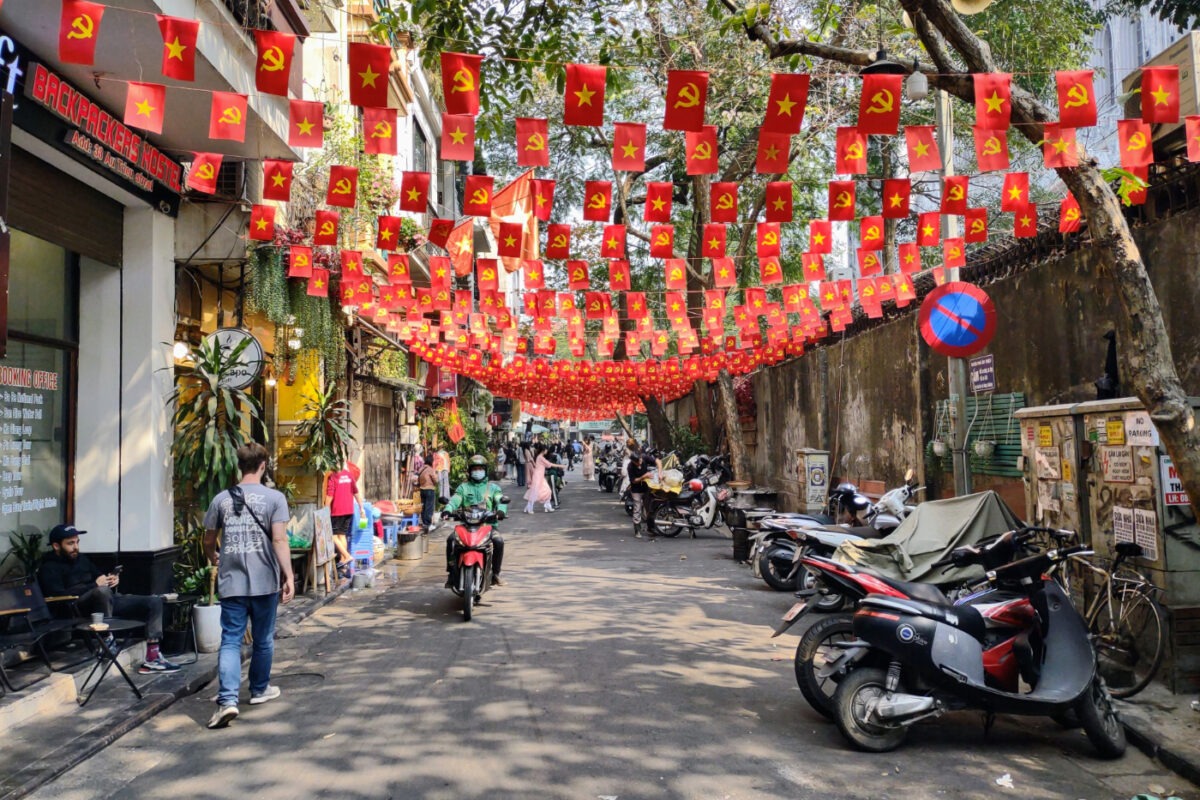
x: 477, y: 491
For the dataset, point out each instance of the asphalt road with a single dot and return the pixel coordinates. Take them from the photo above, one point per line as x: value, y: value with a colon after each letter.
x: 607, y: 667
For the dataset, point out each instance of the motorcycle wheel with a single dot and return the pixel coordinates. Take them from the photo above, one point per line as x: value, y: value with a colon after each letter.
x: 830, y: 602
x: 814, y: 652
x: 469, y: 591
x: 666, y: 527
x: 854, y: 698
x: 772, y: 566
x: 1100, y: 720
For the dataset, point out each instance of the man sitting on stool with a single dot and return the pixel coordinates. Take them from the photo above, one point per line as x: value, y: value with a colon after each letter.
x: 66, y: 571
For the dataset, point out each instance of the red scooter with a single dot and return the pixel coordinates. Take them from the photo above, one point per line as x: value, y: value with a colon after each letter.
x: 471, y: 569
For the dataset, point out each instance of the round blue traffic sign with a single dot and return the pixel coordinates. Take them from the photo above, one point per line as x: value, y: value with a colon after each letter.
x: 958, y: 319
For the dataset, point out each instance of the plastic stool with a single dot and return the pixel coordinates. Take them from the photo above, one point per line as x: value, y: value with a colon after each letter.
x: 390, y: 533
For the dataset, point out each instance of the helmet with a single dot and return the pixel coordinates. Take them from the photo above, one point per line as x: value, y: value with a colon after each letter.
x: 696, y: 485
x: 477, y: 469
x: 477, y: 461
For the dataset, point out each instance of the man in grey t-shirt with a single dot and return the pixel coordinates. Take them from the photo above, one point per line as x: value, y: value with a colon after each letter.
x: 254, y: 554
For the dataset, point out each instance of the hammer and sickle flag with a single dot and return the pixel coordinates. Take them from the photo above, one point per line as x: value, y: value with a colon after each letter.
x: 1076, y: 98
x: 399, y: 269
x: 300, y: 261
x: 629, y: 147
x: 144, y: 103
x: 458, y: 137
x: 202, y: 177
x: 318, y: 283
x: 460, y: 82
x: 870, y: 233
x: 954, y: 252
x: 770, y: 270
x: 700, y: 148
x: 379, y: 131
x: 558, y: 240
x: 869, y: 262
x: 675, y: 272
x: 488, y: 272
x: 662, y: 241
x: 78, y: 31
x: 414, y: 192
x: 879, y: 106
x: 954, y: 195
x: 851, y: 152
x: 274, y: 66
x: 723, y: 202
x: 597, y: 201
x: 325, y: 228
x: 343, y: 187
x: 767, y: 241
x: 687, y: 92
x: 841, y: 200
x: 477, y: 196
x: 277, y: 179
x: 1069, y: 214
x: 577, y: 278
x: 976, y: 226
x: 533, y: 142
x: 1134, y: 137
x: 777, y: 202
x: 228, y: 117
x: 991, y: 150
x: 179, y: 46
x: 262, y: 224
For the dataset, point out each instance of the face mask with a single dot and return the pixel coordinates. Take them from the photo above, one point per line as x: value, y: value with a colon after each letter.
x: 477, y: 474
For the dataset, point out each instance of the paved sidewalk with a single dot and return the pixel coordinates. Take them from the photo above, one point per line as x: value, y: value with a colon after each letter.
x: 1164, y: 726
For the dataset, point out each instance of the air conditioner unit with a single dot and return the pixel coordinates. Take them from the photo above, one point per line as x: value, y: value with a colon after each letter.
x: 1184, y: 54
x: 234, y: 184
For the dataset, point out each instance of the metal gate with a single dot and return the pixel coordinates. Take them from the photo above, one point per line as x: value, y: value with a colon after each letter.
x: 377, y: 451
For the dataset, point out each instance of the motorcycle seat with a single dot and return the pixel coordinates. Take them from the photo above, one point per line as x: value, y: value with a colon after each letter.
x: 964, y: 618
x: 924, y: 592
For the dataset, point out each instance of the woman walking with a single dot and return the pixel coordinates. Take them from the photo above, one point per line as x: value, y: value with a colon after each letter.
x: 530, y: 456
x: 589, y: 463
x: 427, y: 481
x: 539, y: 487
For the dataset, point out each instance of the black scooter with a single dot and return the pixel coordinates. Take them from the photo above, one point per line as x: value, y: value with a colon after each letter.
x: 939, y: 659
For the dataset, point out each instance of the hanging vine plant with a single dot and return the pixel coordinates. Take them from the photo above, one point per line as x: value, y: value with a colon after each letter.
x: 267, y: 284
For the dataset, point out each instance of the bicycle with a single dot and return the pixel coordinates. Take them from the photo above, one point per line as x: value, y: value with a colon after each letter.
x: 1127, y: 623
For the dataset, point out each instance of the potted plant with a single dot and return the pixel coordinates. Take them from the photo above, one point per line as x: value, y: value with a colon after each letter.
x: 207, y: 614
x: 324, y: 433
x: 984, y: 448
x: 28, y: 549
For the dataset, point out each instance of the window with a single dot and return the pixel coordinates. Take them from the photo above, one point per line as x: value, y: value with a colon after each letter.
x: 420, y: 150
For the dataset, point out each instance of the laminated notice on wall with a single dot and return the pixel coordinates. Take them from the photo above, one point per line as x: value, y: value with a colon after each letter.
x: 1116, y: 464
x: 1046, y: 463
x: 1145, y: 532
x: 1122, y: 524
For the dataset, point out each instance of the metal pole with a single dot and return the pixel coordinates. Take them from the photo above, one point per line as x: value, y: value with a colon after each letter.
x: 958, y: 366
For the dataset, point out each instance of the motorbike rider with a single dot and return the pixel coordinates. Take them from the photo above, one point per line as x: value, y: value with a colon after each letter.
x: 477, y: 491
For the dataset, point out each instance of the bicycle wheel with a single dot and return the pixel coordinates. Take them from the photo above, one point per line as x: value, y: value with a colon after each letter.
x: 1130, y: 638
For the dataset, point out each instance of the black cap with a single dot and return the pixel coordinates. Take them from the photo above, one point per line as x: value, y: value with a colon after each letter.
x: 60, y: 532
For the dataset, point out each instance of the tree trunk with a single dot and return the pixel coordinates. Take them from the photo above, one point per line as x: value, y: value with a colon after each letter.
x: 739, y: 458
x: 702, y: 396
x: 660, y: 427
x: 625, y: 424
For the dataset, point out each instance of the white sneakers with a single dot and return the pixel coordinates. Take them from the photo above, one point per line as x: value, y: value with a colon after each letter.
x: 269, y: 694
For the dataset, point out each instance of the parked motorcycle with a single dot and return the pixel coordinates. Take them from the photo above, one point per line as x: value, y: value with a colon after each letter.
x: 471, y: 571
x: 608, y: 471
x: 917, y: 659
x: 703, y: 502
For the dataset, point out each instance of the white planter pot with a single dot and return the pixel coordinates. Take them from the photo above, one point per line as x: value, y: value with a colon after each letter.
x: 985, y: 448
x: 207, y: 620
x: 940, y: 448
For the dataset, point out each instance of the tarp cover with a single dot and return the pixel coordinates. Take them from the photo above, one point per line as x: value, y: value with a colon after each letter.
x: 934, y: 529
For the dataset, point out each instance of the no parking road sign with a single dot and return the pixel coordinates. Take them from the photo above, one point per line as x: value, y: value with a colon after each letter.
x: 958, y: 319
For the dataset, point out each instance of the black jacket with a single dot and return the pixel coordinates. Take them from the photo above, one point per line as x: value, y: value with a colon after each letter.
x: 60, y: 576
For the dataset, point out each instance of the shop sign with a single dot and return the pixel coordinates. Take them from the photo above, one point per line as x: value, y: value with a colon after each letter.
x: 983, y: 374
x: 250, y: 362
x: 1172, y: 487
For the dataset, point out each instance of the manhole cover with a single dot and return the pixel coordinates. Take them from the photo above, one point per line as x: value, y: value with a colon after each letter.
x: 298, y: 680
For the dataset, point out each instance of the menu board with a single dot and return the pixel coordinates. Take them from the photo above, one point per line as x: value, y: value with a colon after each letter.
x: 32, y: 444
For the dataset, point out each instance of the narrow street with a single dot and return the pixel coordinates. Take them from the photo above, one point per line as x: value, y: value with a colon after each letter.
x: 607, y: 667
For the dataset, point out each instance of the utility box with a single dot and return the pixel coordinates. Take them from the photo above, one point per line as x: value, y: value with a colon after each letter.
x: 1099, y: 468
x: 812, y: 467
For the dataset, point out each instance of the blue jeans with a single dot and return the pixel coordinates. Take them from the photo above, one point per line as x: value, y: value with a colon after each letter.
x: 235, y: 612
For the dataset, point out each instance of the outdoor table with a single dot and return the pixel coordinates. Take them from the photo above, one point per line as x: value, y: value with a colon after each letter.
x: 106, y: 655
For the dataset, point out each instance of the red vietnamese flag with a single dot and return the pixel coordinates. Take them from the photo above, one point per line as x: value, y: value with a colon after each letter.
x: 533, y: 141
x: 1160, y: 94
x: 144, y: 106
x: 277, y: 179
x: 414, y: 192
x: 700, y: 148
x: 905, y: 291
x: 1014, y: 196
x: 851, y: 152
x: 829, y: 295
x: 1076, y: 98
x: 714, y: 241
x: 676, y: 307
x: 723, y: 202
x: 897, y: 193
x: 785, y: 103
x: 662, y: 241
x: 910, y: 258
x: 228, y: 117
x: 618, y: 276
x: 993, y: 100
x: 629, y: 147
x: 399, y: 269
x: 369, y: 65
x: 774, y: 151
x: 612, y: 244
x: 352, y: 268
x: 325, y: 228
x: 274, y: 65
x: 687, y: 92
x: 318, y: 283
x: 306, y: 121
x: 343, y: 186
x: 991, y: 150
x: 868, y: 262
x: 675, y: 273
x: 635, y: 302
x: 79, y: 28
x: 923, y: 153
x: 1134, y: 139
x: 756, y: 300
x: 1059, y: 148
x: 954, y: 251
x: 820, y: 236
x: 460, y: 245
x: 870, y: 233
x: 460, y: 82
x: 841, y: 200
x: 1191, y: 126
x: 597, y: 205
x: 535, y: 273
x: 1069, y: 215
x: 577, y: 276
x: 724, y: 273
x: 542, y: 191
x: 202, y: 177
x: 954, y: 194
x: 929, y: 229
x: 975, y: 226
x: 814, y: 266
x: 767, y: 239
x: 1025, y: 222
x: 262, y: 223
x: 477, y: 196
x: 443, y: 268
x: 387, y: 235
x: 179, y: 46
x: 488, y: 272
x: 558, y: 241
x: 777, y: 202
x: 769, y: 270
x: 379, y: 131
x: 583, y: 97
x: 458, y: 137
x: 300, y: 261
x: 879, y: 105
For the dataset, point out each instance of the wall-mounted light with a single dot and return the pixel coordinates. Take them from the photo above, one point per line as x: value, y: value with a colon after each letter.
x: 180, y: 350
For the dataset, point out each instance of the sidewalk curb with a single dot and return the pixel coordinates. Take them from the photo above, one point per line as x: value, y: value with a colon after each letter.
x: 1141, y: 735
x: 92, y: 741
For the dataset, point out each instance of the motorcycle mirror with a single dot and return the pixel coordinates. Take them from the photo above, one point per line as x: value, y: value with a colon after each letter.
x: 443, y: 500
x: 505, y: 499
